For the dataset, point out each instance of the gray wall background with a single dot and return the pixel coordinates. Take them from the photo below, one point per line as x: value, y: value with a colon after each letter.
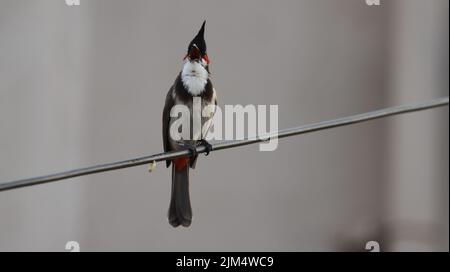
x: 86, y: 85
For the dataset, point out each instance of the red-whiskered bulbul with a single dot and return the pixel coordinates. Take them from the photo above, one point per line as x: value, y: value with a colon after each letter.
x: 193, y: 81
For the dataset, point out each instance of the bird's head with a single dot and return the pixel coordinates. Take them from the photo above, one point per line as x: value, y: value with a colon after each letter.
x: 196, y: 51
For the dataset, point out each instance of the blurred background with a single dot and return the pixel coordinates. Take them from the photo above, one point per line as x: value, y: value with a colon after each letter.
x: 86, y: 84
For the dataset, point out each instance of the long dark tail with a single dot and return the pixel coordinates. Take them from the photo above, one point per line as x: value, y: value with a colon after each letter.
x: 180, y: 212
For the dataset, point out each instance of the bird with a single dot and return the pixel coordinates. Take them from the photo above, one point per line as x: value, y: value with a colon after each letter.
x: 192, y: 82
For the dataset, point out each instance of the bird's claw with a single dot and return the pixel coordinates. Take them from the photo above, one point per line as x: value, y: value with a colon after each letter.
x: 208, y: 146
x: 193, y: 150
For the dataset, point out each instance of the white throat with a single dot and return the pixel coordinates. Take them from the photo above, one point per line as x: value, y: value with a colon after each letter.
x: 194, y: 77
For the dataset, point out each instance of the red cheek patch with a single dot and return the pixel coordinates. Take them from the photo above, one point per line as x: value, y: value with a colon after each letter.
x: 205, y: 57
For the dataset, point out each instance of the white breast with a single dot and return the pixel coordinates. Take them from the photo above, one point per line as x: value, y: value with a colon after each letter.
x: 194, y: 77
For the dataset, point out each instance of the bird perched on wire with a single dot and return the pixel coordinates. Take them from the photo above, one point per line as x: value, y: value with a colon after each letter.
x: 192, y: 84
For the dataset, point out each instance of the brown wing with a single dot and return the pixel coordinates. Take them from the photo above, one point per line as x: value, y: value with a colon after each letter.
x: 166, y: 122
x: 215, y: 110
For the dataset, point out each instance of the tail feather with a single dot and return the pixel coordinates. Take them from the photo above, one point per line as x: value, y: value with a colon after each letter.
x: 180, y: 211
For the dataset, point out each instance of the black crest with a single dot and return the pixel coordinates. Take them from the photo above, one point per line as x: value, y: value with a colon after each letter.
x: 199, y: 40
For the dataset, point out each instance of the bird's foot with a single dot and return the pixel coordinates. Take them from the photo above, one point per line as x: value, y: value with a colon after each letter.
x: 193, y: 150
x: 207, y: 145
